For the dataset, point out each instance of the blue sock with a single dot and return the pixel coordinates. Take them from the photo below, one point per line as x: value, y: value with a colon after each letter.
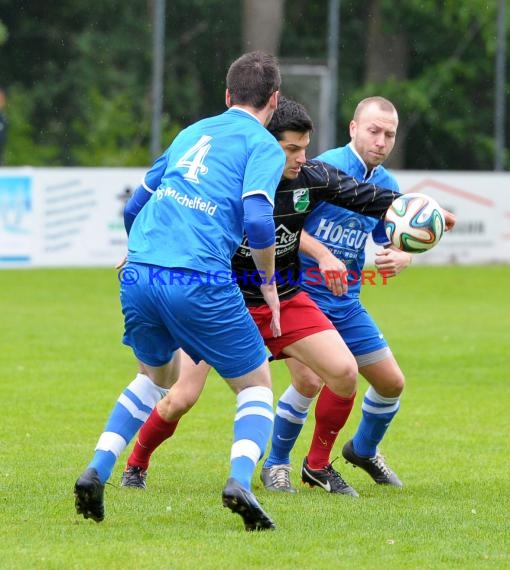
x: 291, y: 412
x: 377, y: 415
x: 252, y: 429
x: 127, y: 416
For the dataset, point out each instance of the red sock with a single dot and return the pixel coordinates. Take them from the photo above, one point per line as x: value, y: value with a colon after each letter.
x: 153, y: 433
x: 331, y: 413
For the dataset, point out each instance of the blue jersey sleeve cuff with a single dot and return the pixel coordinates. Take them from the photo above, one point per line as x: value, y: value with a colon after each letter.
x: 133, y: 206
x: 258, y: 221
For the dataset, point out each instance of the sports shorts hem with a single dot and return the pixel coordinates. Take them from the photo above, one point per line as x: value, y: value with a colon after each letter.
x: 150, y: 360
x: 300, y: 317
x: 373, y: 357
x: 224, y: 373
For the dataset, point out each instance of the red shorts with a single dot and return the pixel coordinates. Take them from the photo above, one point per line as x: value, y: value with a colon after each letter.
x: 299, y: 317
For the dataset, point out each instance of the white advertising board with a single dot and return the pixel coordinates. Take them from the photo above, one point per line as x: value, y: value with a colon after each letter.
x: 481, y: 202
x: 16, y: 216
x: 65, y: 217
x: 57, y: 217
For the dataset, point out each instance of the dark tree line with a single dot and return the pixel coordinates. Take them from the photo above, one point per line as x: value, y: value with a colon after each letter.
x: 78, y: 74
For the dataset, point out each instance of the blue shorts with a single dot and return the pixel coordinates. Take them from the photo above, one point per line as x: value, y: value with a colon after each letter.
x: 209, y: 321
x: 356, y: 327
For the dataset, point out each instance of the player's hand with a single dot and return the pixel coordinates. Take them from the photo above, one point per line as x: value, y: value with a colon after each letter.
x: 270, y: 295
x: 334, y: 273
x: 449, y: 219
x: 392, y: 261
x: 121, y: 262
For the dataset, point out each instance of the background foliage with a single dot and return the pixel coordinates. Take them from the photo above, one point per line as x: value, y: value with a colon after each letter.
x: 79, y: 74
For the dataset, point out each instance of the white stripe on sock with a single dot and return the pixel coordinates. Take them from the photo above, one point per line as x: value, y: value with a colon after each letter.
x: 289, y: 416
x: 374, y: 410
x: 296, y: 400
x: 246, y: 448
x: 255, y: 393
x: 254, y: 411
x: 146, y: 391
x: 132, y: 409
x: 110, y: 441
x: 375, y: 397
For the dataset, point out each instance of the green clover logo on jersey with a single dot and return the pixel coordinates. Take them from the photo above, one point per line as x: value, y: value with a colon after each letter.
x: 301, y: 199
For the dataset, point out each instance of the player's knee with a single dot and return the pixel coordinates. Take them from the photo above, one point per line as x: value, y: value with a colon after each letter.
x: 343, y: 380
x: 349, y: 371
x: 393, y: 386
x: 399, y: 383
x: 307, y: 383
x: 175, y: 406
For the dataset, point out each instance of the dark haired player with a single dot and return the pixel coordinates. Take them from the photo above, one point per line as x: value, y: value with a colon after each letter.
x: 213, y: 183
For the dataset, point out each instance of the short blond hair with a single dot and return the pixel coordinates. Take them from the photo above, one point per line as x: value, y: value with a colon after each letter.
x: 384, y: 104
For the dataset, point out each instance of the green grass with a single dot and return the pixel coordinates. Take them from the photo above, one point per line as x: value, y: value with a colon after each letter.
x: 62, y: 366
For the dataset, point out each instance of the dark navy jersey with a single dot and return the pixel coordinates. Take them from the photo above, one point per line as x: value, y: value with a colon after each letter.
x: 294, y: 200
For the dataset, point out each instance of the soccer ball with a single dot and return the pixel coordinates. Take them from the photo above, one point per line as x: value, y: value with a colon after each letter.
x: 414, y: 222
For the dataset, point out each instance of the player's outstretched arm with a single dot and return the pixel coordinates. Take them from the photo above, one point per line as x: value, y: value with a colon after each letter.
x: 343, y: 190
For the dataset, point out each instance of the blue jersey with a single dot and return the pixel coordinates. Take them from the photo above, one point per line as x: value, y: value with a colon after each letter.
x: 194, y: 219
x: 344, y: 232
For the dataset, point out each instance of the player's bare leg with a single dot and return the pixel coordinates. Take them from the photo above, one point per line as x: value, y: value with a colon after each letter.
x: 326, y: 354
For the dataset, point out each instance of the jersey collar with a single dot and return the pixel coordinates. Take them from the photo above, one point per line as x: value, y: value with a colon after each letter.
x: 240, y: 110
x: 361, y: 166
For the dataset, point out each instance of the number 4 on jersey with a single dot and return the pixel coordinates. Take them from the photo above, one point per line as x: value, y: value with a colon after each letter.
x: 193, y: 159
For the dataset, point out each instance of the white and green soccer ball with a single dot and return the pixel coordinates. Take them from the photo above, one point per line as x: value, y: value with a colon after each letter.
x: 414, y: 222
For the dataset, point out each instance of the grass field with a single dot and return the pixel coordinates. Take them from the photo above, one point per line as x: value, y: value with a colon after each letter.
x: 62, y: 366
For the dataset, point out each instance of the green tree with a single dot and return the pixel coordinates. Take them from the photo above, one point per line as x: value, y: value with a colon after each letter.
x: 3, y: 33
x: 61, y: 58
x: 445, y: 92
x: 79, y: 75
